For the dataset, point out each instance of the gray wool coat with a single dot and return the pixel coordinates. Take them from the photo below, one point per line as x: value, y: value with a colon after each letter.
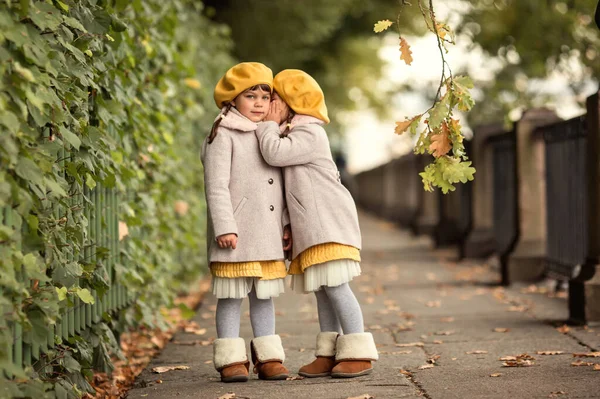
x: 320, y: 208
x: 244, y: 194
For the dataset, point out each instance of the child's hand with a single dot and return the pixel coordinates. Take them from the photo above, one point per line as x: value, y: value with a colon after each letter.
x: 287, y: 238
x: 227, y: 241
x: 278, y: 110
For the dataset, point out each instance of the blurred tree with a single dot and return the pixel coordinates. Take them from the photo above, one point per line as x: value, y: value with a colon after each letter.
x: 534, y: 40
x: 330, y: 39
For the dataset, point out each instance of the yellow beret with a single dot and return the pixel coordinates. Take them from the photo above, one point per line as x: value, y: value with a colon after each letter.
x: 239, y: 78
x: 301, y: 92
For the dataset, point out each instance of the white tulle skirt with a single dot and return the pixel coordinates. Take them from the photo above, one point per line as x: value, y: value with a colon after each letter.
x: 240, y: 287
x: 329, y: 274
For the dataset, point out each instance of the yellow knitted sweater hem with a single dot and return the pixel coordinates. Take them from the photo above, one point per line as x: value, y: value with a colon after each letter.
x: 265, y: 270
x: 323, y: 253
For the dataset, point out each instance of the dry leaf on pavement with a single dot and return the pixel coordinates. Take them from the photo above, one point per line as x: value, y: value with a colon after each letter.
x: 164, y: 369
x: 519, y: 308
x: 549, y: 352
x: 437, y: 342
x: 406, y: 373
x: 580, y: 363
x: 228, y: 395
x: 501, y: 329
x: 476, y: 352
x: 496, y: 375
x: 426, y: 366
x: 447, y: 319
x: 420, y: 344
x: 294, y: 378
x: 363, y: 396
x: 563, y: 329
x: 445, y: 332
x: 522, y: 360
x: 556, y: 393
x: 588, y: 354
x: 433, y: 304
x: 596, y: 367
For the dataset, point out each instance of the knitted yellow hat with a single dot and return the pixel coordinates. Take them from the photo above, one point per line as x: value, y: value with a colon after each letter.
x: 239, y: 78
x: 301, y: 92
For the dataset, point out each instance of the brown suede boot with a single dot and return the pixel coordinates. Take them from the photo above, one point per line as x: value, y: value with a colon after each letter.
x: 351, y: 368
x: 230, y: 360
x: 354, y: 354
x: 235, y: 373
x: 320, y: 367
x: 268, y: 356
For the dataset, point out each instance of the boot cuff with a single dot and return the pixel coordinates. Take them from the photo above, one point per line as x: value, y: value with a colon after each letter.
x: 229, y: 351
x: 359, y: 346
x: 268, y: 348
x: 326, y: 344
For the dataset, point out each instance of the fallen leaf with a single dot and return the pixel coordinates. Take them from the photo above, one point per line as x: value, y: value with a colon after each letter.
x: 556, y: 393
x: 405, y: 372
x: 405, y: 52
x: 501, y: 329
x: 519, y: 308
x: 508, y: 358
x: 433, y: 304
x: 433, y: 359
x: 496, y: 375
x: 549, y: 352
x: 158, y: 381
x: 437, y: 342
x: 301, y: 349
x: 454, y: 358
x: 229, y: 395
x: 588, y: 354
x: 208, y: 362
x: 524, y: 363
x: 563, y: 329
x: 580, y: 363
x: 164, y: 369
x: 420, y: 344
x: 597, y: 367
x: 447, y: 319
x: 294, y: 378
x: 426, y: 366
x: 445, y: 332
x: 478, y: 352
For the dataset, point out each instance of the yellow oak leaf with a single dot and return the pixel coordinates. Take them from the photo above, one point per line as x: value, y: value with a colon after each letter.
x: 405, y: 53
x: 440, y: 142
x: 382, y: 25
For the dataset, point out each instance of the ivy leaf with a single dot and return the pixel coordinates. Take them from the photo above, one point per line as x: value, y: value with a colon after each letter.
x: 28, y: 170
x: 70, y: 137
x: 405, y: 52
x: 440, y: 142
x: 61, y: 292
x: 382, y: 25
x: 89, y: 181
x: 85, y: 295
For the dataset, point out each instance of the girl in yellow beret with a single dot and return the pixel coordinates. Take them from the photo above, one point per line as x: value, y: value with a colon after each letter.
x: 324, y: 223
x: 246, y: 222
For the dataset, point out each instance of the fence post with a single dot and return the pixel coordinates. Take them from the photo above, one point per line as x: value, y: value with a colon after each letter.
x: 480, y: 240
x: 592, y: 286
x: 526, y: 262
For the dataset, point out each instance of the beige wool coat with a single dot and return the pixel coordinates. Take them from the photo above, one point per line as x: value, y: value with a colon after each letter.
x: 320, y: 208
x: 244, y: 194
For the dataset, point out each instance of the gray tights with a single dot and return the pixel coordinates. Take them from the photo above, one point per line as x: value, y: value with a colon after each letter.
x: 262, y: 316
x: 339, y: 310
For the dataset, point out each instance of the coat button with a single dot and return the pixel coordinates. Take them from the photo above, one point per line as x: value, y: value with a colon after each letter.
x: 270, y: 181
x: 272, y: 208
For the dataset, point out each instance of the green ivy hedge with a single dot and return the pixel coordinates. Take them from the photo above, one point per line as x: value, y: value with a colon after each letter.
x: 99, y: 92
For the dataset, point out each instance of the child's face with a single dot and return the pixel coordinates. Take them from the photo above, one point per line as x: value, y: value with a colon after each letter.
x: 253, y: 104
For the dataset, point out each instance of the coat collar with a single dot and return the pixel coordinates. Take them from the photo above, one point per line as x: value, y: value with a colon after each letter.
x: 300, y: 119
x: 236, y: 121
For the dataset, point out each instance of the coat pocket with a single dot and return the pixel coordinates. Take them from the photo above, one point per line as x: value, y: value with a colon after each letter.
x: 297, y: 203
x: 239, y: 206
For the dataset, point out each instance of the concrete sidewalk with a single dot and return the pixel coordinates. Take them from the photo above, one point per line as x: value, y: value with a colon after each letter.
x: 424, y: 311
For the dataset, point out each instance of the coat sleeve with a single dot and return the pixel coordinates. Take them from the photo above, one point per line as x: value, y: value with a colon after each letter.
x: 217, y: 169
x: 298, y: 148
